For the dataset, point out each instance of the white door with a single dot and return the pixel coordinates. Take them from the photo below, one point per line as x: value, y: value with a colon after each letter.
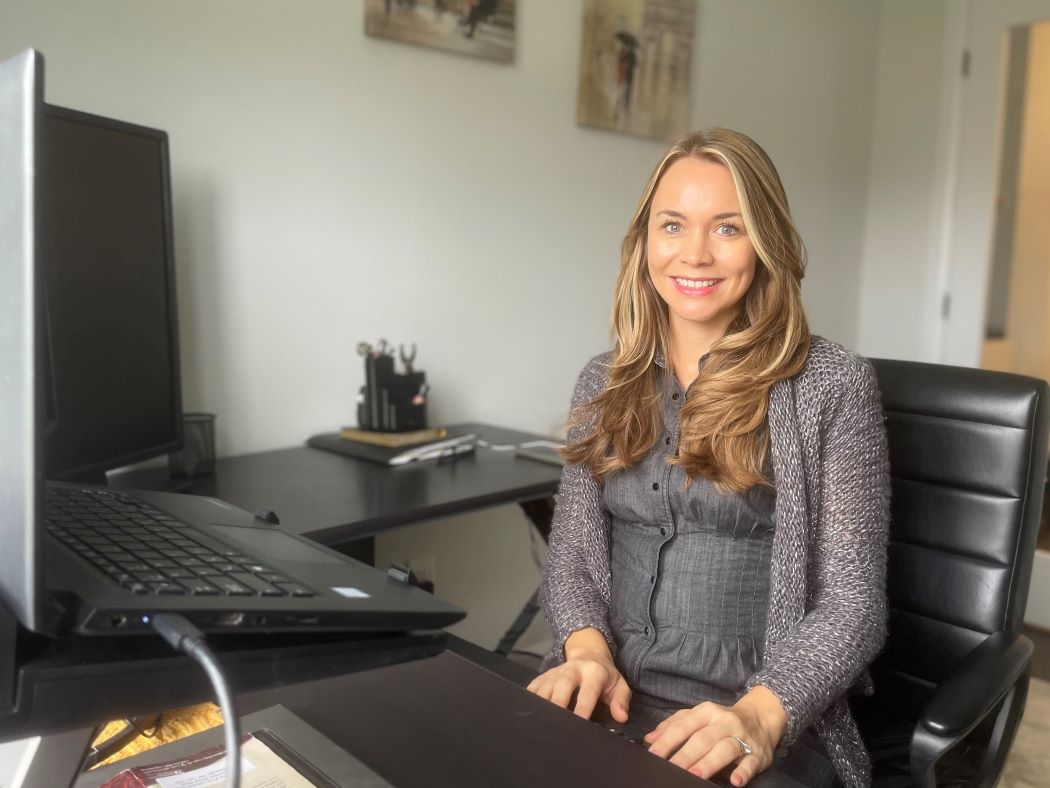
x: 975, y: 178
x: 972, y: 184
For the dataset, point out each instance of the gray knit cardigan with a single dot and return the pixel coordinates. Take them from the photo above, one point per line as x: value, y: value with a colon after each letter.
x: 827, y: 608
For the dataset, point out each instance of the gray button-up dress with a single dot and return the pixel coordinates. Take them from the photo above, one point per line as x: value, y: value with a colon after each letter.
x: 690, y: 577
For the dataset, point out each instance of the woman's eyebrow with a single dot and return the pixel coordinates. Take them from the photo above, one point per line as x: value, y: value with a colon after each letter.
x: 677, y: 215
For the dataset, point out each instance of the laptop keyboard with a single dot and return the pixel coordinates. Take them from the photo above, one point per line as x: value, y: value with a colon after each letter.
x: 146, y: 551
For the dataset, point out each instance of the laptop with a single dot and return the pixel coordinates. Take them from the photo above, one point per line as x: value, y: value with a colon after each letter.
x: 95, y: 561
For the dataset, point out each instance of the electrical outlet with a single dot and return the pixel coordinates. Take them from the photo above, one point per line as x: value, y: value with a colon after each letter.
x: 424, y: 567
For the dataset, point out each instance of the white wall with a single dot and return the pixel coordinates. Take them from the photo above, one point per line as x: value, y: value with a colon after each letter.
x: 331, y: 187
x: 902, y: 195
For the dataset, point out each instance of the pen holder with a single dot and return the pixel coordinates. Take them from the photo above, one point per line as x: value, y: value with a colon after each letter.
x: 197, y: 455
x: 390, y: 401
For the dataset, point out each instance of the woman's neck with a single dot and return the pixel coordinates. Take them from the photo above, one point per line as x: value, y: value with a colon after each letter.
x: 687, y: 345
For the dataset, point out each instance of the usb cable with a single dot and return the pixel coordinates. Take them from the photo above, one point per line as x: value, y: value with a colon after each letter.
x: 182, y: 636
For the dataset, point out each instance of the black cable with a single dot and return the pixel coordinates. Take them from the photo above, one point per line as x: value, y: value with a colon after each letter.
x: 133, y: 722
x: 183, y: 636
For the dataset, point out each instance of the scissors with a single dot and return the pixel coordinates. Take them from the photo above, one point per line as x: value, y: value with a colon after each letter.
x: 407, y: 358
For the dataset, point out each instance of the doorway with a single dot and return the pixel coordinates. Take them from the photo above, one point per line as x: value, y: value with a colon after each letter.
x: 997, y: 252
x: 1017, y: 322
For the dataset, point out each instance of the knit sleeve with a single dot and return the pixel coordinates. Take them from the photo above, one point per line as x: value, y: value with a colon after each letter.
x: 822, y: 656
x: 576, y: 576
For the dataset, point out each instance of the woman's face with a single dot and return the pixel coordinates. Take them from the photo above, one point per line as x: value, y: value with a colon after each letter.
x: 700, y: 258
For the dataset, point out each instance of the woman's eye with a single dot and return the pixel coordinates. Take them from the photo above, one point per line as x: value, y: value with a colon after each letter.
x: 673, y: 227
x: 727, y: 229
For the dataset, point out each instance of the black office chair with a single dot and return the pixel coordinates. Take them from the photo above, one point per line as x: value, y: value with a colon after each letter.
x: 968, y: 459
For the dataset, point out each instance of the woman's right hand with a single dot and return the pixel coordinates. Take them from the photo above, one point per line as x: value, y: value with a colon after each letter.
x: 588, y: 670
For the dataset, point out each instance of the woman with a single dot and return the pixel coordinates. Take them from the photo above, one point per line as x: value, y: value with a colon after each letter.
x: 717, y: 560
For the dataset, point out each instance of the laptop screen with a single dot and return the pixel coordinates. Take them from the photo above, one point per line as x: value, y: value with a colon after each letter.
x: 21, y: 102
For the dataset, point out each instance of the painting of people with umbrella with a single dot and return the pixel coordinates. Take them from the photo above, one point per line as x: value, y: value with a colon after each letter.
x: 635, y: 66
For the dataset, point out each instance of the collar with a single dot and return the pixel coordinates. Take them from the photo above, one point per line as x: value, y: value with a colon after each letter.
x: 658, y: 359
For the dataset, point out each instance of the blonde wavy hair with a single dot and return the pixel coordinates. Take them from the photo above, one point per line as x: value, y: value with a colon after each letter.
x: 724, y: 431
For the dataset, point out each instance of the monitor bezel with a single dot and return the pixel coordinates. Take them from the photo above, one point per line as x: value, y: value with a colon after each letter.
x: 95, y: 471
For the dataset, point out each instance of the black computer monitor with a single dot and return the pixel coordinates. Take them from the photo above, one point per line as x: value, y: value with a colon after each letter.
x: 112, y: 339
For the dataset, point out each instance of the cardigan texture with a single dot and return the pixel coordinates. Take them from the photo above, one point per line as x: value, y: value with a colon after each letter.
x: 827, y: 605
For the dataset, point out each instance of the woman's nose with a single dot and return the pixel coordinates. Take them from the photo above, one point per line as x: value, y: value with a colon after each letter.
x: 697, y: 249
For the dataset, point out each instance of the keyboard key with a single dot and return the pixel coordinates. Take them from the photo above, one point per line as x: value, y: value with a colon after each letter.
x: 295, y: 589
x: 273, y: 577
x: 173, y: 552
x: 152, y: 577
x: 167, y: 587
x: 201, y: 588
x: 232, y: 588
x: 258, y: 586
x: 135, y: 587
x: 180, y: 574
x: 257, y: 568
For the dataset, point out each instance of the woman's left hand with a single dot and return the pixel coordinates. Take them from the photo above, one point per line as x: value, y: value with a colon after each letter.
x: 701, y: 740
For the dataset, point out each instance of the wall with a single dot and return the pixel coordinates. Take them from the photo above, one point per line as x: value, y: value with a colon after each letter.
x: 331, y: 188
x: 901, y: 209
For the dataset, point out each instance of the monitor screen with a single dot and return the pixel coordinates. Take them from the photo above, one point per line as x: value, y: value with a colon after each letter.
x: 113, y: 390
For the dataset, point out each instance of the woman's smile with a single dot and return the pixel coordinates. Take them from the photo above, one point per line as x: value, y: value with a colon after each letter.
x: 695, y: 287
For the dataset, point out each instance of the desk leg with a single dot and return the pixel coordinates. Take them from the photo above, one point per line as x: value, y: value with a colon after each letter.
x: 540, y: 513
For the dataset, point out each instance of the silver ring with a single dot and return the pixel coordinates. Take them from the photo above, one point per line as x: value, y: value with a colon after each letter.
x: 745, y: 748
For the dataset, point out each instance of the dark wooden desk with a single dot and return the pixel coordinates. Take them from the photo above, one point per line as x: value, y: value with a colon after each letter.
x: 444, y: 720
x: 335, y: 499
x: 342, y: 501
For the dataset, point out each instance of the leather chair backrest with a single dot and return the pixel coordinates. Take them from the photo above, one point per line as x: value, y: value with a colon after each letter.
x: 968, y: 462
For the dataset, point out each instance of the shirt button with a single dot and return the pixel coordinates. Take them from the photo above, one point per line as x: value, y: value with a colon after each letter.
x: 663, y: 532
x: 674, y: 396
x: 656, y: 485
x: 652, y: 580
x: 647, y: 630
x: 667, y: 440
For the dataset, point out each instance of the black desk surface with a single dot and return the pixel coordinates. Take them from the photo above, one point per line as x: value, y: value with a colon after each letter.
x: 333, y: 498
x: 445, y: 721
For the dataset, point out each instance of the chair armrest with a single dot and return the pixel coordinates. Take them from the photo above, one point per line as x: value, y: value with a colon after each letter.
x: 984, y: 676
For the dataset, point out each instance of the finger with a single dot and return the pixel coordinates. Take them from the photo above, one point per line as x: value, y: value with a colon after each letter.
x: 586, y: 700
x: 673, y: 736
x: 619, y: 700
x: 745, y: 771
x: 720, y: 755
x: 692, y: 751
x: 562, y: 691
x: 542, y: 687
x: 662, y: 725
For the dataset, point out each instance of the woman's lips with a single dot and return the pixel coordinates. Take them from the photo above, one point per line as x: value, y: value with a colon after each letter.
x: 695, y: 287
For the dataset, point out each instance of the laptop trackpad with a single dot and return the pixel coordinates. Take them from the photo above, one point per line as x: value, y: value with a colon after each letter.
x: 263, y: 542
